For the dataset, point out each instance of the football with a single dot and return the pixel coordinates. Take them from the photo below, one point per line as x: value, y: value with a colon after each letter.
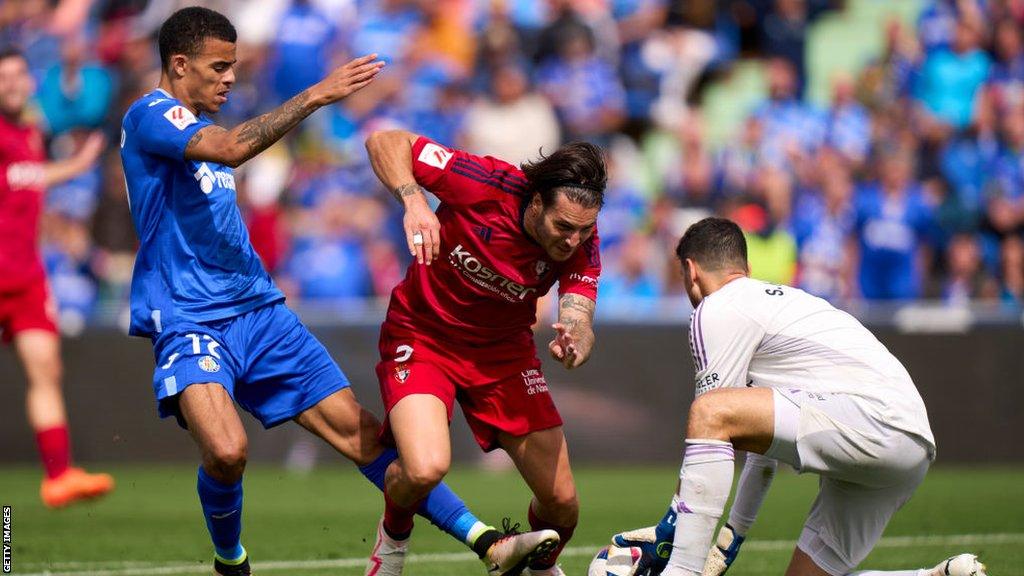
x: 614, y: 561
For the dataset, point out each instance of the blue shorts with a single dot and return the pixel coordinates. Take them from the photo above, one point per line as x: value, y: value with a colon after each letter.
x: 266, y: 359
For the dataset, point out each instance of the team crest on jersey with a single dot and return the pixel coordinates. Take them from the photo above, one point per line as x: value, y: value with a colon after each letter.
x: 208, y: 364
x: 541, y: 268
x: 180, y: 117
x: 434, y: 155
x: 402, y: 373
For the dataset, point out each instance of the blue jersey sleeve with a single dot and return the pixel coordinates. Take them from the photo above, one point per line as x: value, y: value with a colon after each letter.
x: 164, y: 127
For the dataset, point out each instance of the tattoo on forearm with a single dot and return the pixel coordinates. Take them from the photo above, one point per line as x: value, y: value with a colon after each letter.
x: 576, y: 303
x: 262, y: 131
x: 405, y: 190
x: 196, y: 138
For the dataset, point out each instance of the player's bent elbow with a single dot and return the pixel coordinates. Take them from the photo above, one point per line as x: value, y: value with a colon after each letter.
x: 382, y: 139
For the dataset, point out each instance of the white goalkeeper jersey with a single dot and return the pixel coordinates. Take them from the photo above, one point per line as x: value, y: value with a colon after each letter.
x: 750, y: 333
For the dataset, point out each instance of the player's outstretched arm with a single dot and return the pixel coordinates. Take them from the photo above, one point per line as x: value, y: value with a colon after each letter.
x: 233, y: 147
x: 574, y: 331
x: 84, y: 159
x: 390, y: 154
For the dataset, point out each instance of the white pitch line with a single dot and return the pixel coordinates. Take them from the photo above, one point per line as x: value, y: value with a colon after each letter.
x: 139, y: 569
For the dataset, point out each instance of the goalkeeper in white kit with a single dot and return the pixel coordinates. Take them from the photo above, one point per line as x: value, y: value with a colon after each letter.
x: 786, y: 377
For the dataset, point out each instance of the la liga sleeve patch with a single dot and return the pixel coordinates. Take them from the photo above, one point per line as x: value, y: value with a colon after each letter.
x: 434, y: 155
x: 180, y: 117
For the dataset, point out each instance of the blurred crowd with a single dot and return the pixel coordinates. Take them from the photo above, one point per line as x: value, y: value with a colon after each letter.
x: 909, y: 184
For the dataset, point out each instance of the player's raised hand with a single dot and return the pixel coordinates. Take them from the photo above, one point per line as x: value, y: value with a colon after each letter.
x: 563, y: 347
x: 91, y: 148
x: 422, y: 230
x: 347, y: 78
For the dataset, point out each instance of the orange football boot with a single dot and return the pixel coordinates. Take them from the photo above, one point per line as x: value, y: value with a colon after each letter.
x: 73, y: 486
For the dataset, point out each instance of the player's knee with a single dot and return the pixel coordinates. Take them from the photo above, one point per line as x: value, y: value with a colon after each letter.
x: 228, y: 459
x: 426, y: 473
x: 46, y: 374
x: 708, y: 418
x: 561, y: 502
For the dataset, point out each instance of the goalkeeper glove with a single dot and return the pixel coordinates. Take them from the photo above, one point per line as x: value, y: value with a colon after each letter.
x: 655, y: 543
x: 723, y: 552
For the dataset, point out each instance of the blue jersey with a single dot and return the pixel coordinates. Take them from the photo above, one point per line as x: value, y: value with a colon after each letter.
x: 195, y: 262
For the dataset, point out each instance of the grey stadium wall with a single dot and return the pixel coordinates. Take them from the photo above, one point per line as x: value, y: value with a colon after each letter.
x: 627, y: 405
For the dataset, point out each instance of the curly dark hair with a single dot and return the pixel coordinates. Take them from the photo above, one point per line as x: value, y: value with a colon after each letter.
x: 185, y: 30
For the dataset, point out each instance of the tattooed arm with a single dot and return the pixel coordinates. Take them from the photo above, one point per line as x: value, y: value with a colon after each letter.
x: 574, y: 337
x: 235, y: 146
x: 390, y: 155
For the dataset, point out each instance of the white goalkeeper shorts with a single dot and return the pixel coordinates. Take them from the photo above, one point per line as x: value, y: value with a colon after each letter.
x: 868, y: 471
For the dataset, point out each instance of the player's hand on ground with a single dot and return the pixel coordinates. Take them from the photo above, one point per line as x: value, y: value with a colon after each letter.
x: 563, y: 347
x: 654, y: 554
x: 422, y: 230
x: 347, y: 78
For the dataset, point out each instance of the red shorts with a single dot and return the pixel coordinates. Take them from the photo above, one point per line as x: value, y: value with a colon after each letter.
x: 507, y: 395
x: 30, y: 308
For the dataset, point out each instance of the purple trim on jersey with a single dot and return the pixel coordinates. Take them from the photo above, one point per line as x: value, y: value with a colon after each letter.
x: 504, y: 174
x: 474, y: 171
x: 490, y: 182
x: 701, y: 354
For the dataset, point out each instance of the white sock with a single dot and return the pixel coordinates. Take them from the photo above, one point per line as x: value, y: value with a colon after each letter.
x: 705, y: 481
x: 922, y: 572
x: 755, y: 479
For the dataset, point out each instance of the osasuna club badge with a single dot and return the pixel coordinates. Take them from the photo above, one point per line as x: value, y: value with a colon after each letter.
x: 401, y: 373
x: 541, y: 267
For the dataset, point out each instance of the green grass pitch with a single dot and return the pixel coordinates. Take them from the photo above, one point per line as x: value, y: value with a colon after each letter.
x: 323, y: 523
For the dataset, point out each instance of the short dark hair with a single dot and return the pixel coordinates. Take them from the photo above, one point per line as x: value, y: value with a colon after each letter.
x: 185, y: 30
x: 11, y: 51
x: 714, y: 243
x: 577, y: 169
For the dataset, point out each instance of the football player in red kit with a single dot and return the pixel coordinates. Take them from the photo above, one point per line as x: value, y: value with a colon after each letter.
x: 26, y: 310
x: 459, y: 326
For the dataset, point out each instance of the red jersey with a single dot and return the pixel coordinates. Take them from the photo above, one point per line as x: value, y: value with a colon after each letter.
x: 483, y: 288
x: 21, y: 201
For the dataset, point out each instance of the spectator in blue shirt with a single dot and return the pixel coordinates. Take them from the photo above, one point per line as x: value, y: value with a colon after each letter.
x: 950, y: 78
x: 893, y: 224
x: 76, y: 93
x: 790, y: 127
x: 848, y: 124
x: 584, y: 89
x: 301, y: 49
x: 1006, y: 79
x: 823, y: 221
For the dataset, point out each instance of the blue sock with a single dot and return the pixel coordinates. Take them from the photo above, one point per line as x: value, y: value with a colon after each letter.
x: 442, y: 507
x: 222, y: 509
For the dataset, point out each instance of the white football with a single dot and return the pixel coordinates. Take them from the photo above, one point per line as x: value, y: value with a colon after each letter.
x: 615, y: 561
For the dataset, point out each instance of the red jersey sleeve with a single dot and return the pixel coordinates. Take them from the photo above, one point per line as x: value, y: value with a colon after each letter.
x: 458, y: 177
x: 583, y: 271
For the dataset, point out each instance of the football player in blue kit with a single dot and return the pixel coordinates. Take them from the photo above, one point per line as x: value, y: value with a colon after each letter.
x: 220, y: 330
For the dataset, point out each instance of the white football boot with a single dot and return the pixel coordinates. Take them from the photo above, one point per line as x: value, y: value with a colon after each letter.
x: 960, y: 565
x: 510, y: 555
x: 388, y: 556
